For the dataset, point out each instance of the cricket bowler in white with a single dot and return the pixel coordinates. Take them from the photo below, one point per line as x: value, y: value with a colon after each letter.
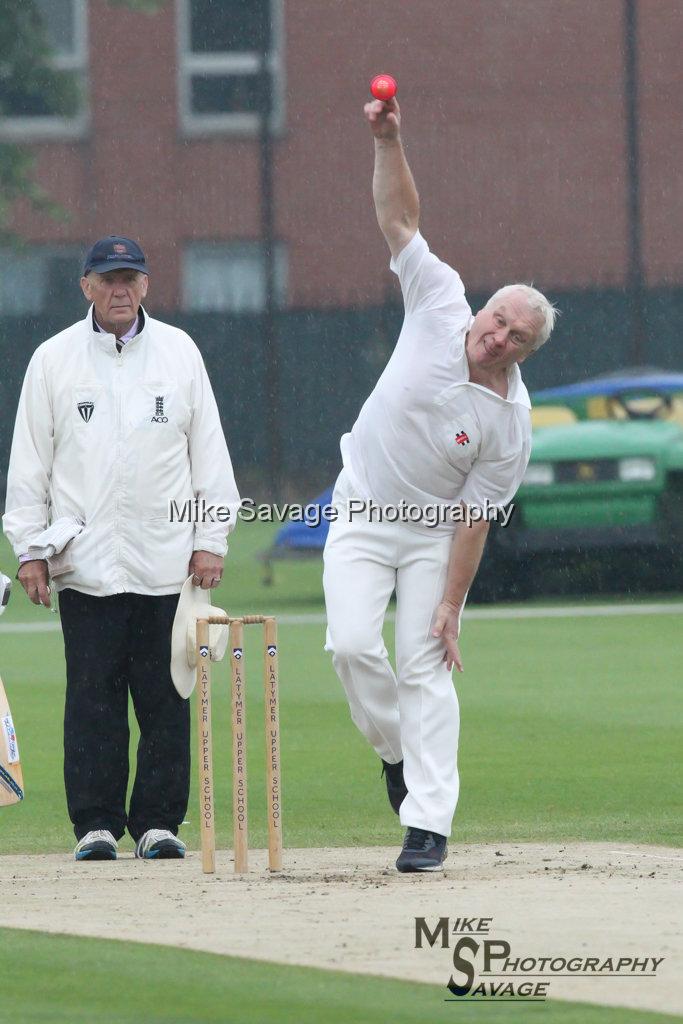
x: 448, y: 424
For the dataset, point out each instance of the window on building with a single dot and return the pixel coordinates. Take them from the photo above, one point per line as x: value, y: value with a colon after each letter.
x: 39, y: 280
x: 223, y: 45
x: 58, y: 107
x: 230, y: 277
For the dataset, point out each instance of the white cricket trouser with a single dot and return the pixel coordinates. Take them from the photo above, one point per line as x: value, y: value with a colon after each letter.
x: 411, y: 714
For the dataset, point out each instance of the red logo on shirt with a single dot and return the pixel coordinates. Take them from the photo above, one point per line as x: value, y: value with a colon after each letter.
x: 461, y: 438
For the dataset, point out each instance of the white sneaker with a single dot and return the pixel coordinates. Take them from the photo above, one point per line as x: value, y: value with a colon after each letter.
x: 159, y: 844
x: 96, y: 845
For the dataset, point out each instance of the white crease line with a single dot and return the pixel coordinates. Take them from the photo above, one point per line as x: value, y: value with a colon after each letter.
x: 653, y: 856
x: 473, y: 614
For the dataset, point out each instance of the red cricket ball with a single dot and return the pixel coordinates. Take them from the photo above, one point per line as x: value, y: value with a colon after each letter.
x: 383, y: 87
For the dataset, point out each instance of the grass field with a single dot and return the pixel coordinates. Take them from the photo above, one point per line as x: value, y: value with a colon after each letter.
x: 570, y: 727
x: 81, y: 978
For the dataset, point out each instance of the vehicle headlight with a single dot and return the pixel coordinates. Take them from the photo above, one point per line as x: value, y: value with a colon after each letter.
x: 636, y: 470
x: 539, y: 473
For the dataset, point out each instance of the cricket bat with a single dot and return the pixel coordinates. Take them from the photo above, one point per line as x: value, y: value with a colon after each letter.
x: 11, y: 779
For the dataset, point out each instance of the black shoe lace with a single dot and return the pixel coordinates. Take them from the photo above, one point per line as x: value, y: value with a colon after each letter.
x: 418, y: 839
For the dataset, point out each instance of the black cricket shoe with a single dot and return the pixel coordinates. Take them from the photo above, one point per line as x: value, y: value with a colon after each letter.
x: 396, y: 787
x: 422, y: 851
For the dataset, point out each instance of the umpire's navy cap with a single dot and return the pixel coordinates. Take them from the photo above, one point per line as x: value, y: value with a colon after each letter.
x: 115, y: 253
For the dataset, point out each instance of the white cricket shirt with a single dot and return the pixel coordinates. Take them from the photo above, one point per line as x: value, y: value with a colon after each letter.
x: 427, y: 435
x: 109, y: 438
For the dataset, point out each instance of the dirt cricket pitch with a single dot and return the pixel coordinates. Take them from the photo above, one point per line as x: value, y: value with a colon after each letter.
x: 349, y: 910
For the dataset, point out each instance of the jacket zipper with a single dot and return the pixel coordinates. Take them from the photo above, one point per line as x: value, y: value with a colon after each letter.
x: 119, y: 471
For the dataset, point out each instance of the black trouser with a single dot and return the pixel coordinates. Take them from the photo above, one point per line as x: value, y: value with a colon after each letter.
x: 113, y: 645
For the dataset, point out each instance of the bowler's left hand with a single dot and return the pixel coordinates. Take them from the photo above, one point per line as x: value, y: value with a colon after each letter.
x: 206, y: 569
x: 447, y: 626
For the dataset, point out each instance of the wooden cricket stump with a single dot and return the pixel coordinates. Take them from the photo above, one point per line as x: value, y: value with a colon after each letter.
x: 205, y: 757
x: 240, y: 817
x: 239, y: 741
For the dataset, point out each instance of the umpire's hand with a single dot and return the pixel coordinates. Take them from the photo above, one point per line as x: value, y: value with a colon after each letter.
x: 206, y: 569
x: 34, y: 579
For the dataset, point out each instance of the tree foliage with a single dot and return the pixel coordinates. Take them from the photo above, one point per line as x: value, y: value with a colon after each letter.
x: 27, y: 82
x: 30, y: 85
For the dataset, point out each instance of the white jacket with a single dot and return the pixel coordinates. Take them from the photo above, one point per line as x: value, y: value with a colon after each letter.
x: 110, y: 438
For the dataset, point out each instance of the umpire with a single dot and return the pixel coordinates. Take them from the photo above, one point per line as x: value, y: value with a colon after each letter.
x: 117, y: 418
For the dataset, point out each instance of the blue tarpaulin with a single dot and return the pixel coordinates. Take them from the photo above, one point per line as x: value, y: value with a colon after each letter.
x: 617, y: 383
x: 294, y: 537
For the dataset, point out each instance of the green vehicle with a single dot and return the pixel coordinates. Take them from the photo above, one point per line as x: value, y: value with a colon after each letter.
x: 604, y: 487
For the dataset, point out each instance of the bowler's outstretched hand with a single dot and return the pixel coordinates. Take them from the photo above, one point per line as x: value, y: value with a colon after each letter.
x: 447, y: 626
x: 384, y: 117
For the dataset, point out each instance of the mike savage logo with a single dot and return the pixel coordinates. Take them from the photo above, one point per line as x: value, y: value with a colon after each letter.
x: 158, y: 416
x: 487, y: 969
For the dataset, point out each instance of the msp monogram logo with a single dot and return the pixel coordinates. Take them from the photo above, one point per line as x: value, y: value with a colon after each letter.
x: 485, y: 969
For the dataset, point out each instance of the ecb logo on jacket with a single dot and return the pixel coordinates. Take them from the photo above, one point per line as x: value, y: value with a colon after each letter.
x: 158, y: 416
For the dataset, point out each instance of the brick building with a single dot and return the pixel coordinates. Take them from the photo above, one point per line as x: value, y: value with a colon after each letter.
x: 514, y: 121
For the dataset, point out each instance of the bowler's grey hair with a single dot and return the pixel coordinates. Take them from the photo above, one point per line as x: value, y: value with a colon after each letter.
x: 538, y: 305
